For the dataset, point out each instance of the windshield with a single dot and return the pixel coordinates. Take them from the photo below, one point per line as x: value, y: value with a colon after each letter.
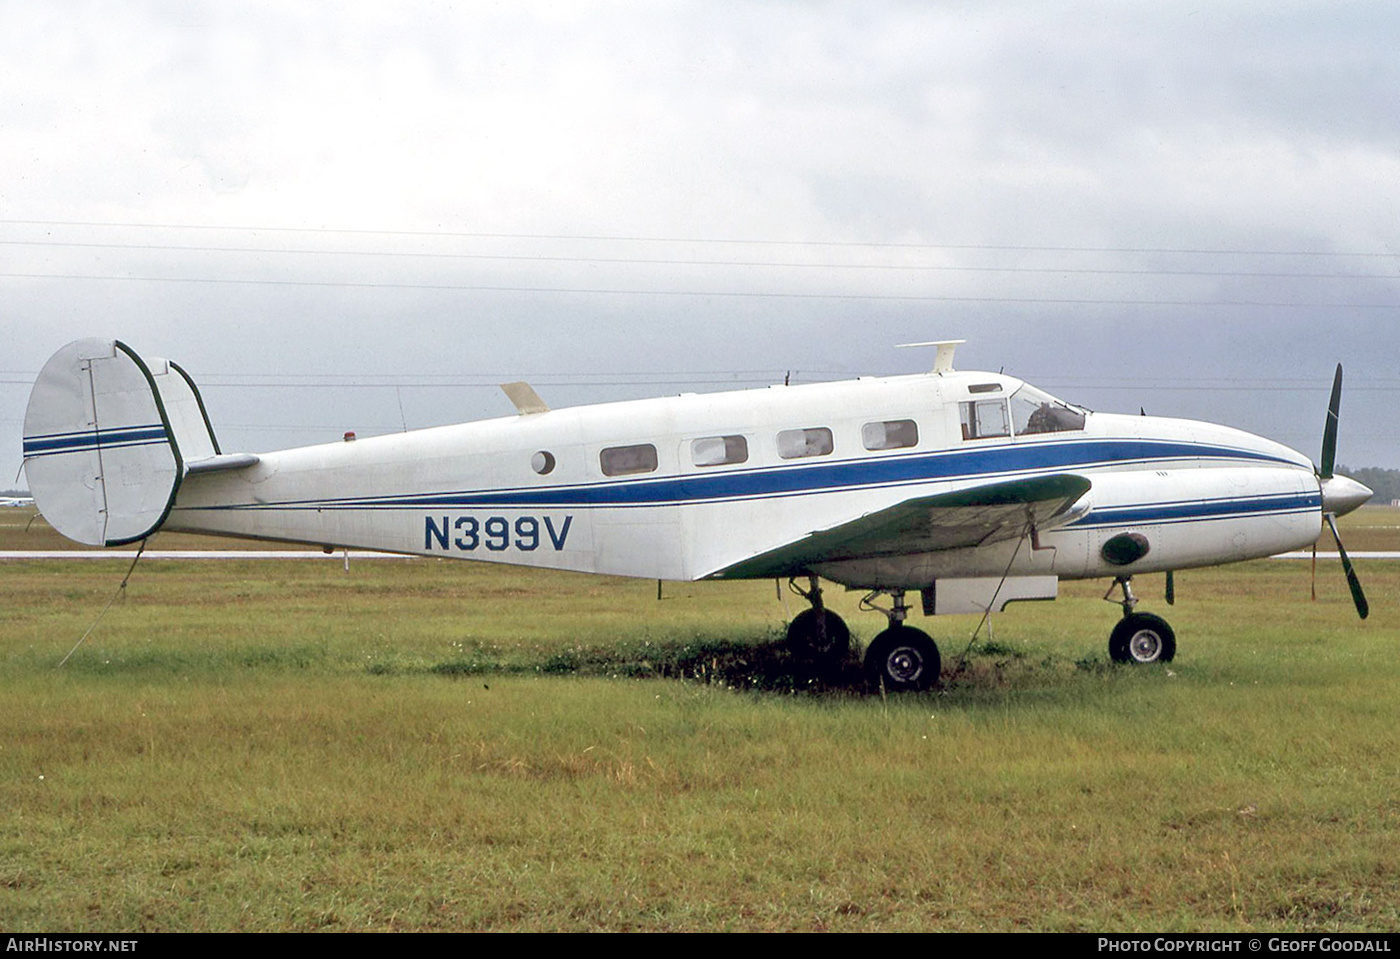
x: 1034, y: 411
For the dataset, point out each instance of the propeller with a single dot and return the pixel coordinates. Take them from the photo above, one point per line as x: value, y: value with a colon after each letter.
x: 1340, y: 495
x: 1363, y: 608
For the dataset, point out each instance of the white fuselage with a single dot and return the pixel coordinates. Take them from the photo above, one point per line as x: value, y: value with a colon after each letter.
x: 686, y: 487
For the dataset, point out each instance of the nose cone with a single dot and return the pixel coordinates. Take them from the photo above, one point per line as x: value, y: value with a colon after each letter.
x: 1342, y: 494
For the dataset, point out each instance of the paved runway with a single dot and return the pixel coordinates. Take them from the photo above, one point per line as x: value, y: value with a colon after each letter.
x: 1373, y: 554
x: 338, y: 555
x: 365, y: 554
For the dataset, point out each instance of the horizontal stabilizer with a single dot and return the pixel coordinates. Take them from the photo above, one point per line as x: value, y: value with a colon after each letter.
x: 217, y: 464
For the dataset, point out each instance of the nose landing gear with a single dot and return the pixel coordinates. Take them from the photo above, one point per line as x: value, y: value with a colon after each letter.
x: 1139, y: 638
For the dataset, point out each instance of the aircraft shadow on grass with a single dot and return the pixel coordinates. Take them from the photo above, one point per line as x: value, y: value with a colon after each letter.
x: 767, y: 664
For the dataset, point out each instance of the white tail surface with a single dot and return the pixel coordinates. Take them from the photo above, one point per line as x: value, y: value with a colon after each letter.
x: 105, y: 440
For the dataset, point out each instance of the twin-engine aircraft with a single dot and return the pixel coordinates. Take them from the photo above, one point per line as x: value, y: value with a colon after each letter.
x: 971, y: 490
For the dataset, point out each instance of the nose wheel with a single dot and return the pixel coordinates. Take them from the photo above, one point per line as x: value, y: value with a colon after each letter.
x: 1142, y: 638
x: 1139, y: 638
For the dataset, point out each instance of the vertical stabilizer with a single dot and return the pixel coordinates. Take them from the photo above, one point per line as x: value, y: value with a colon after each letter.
x: 99, y: 449
x: 184, y: 412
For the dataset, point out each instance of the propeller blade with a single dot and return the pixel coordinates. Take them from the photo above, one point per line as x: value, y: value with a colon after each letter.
x: 1329, y: 432
x: 1358, y: 597
x: 1171, y: 588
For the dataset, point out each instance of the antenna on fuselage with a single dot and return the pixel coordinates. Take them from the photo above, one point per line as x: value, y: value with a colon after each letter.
x: 943, y: 360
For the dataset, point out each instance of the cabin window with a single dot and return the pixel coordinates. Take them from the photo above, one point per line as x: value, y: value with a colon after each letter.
x: 890, y: 435
x: 542, y: 463
x: 1035, y: 412
x: 624, y: 460
x: 719, y: 450
x: 796, y: 444
x: 984, y: 418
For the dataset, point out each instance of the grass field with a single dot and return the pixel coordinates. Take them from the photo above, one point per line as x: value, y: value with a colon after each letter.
x: 424, y: 745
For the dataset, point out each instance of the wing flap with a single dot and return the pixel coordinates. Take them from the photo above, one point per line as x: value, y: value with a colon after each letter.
x: 975, y: 516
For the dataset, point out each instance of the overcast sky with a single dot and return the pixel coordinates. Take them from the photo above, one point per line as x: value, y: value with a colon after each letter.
x: 364, y: 215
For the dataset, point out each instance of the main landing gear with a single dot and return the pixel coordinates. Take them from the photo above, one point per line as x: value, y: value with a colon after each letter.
x: 900, y: 658
x: 1138, y: 638
x: 817, y: 633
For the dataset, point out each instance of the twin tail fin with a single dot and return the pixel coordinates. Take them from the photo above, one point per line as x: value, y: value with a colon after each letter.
x: 109, y: 437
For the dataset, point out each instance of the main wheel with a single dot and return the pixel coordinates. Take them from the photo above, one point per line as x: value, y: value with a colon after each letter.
x: 1142, y: 638
x: 902, y: 658
x: 821, y: 635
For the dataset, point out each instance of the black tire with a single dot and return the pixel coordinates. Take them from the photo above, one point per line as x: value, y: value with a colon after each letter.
x: 806, y: 637
x: 1140, y: 639
x: 902, y: 659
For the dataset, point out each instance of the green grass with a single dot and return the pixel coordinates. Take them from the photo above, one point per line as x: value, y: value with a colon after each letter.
x: 426, y: 745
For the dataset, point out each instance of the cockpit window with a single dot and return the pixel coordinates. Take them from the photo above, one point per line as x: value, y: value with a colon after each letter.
x: 984, y: 418
x: 1033, y: 411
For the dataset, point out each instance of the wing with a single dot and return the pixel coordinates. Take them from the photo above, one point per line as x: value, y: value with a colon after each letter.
x: 968, y: 517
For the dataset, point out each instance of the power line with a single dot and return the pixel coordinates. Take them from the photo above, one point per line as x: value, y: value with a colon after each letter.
x: 757, y: 294
x: 676, y: 261
x: 723, y: 375
x: 488, y: 378
x: 623, y: 238
x: 489, y: 381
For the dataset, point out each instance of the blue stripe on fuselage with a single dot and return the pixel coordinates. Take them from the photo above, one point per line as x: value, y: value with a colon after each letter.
x: 1145, y: 514
x: 805, y: 478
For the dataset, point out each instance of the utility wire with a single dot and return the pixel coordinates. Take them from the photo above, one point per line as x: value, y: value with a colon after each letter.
x: 757, y: 294
x: 653, y: 261
x: 637, y: 238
